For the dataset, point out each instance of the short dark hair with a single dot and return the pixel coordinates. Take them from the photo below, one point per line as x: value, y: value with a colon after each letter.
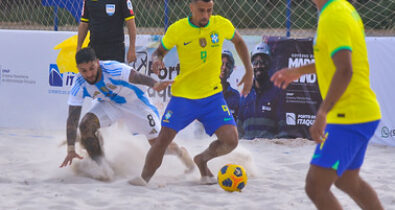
x: 85, y: 55
x: 193, y: 1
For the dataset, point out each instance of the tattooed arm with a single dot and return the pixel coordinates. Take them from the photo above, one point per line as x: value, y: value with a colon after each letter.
x: 142, y: 79
x: 72, y: 125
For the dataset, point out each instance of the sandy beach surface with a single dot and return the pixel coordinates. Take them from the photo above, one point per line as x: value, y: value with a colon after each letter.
x: 30, y: 177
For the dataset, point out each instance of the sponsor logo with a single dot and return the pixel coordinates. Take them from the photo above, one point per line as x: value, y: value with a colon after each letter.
x: 55, y: 77
x: 110, y: 9
x: 290, y: 118
x: 187, y: 43
x: 300, y: 119
x: 167, y: 116
x: 58, y: 81
x: 153, y: 131
x: 387, y: 132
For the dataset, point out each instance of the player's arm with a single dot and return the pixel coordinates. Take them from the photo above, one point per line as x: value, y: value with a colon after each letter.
x: 83, y: 27
x: 242, y: 51
x: 157, y: 59
x: 72, y: 126
x: 131, y: 25
x: 82, y: 32
x: 138, y: 78
x: 283, y: 77
x: 339, y: 84
x: 340, y: 80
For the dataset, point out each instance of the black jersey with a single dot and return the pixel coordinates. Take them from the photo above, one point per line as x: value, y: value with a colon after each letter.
x: 106, y: 20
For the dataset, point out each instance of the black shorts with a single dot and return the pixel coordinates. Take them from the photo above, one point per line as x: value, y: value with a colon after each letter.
x: 110, y: 51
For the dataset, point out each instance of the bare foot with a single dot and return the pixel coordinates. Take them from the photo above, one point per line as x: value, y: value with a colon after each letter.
x: 137, y: 181
x: 208, y: 180
x: 202, y: 165
x: 187, y: 160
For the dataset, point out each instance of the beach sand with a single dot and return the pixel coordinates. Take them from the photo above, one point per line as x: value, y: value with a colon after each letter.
x: 30, y: 177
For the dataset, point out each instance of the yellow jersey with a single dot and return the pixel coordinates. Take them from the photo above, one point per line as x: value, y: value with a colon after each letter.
x: 340, y: 28
x: 199, y: 50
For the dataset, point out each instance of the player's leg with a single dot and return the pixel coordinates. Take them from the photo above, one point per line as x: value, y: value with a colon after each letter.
x: 359, y: 190
x: 97, y: 117
x: 351, y: 182
x: 318, y: 183
x: 146, y: 121
x: 155, y: 154
x: 217, y: 119
x: 178, y: 114
x: 181, y: 152
x: 329, y: 161
x: 89, y: 126
x: 226, y: 142
x: 342, y: 150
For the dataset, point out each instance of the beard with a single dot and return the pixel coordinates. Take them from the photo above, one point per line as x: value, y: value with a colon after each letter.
x: 93, y: 80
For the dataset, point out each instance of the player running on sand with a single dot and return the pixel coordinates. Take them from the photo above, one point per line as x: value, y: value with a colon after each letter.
x: 197, y: 90
x: 120, y: 94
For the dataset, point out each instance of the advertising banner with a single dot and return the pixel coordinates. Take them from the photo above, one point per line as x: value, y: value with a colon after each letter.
x: 34, y: 87
x: 270, y: 112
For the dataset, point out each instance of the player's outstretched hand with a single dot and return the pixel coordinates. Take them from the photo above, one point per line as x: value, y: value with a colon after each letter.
x: 157, y: 64
x: 161, y: 85
x: 69, y: 158
x: 283, y: 77
x: 247, y: 81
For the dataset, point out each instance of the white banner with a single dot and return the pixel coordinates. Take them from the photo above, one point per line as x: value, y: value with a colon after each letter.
x: 381, y: 53
x: 27, y: 99
x: 33, y: 88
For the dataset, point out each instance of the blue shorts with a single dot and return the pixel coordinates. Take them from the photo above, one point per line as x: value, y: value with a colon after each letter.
x: 345, y: 146
x: 212, y: 111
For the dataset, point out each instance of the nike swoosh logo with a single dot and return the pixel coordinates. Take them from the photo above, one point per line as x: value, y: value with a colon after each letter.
x: 187, y: 43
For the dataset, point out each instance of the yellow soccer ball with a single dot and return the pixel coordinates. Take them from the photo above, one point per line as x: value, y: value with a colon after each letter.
x: 232, y: 177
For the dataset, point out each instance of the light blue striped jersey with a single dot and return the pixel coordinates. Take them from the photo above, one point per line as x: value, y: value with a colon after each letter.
x: 113, y: 87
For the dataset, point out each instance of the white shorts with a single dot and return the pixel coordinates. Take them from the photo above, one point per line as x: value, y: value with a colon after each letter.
x: 139, y: 119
